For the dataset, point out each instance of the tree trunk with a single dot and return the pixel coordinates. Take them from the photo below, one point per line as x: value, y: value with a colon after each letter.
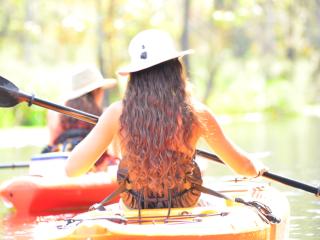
x: 185, y: 33
x: 101, y: 36
x: 25, y: 40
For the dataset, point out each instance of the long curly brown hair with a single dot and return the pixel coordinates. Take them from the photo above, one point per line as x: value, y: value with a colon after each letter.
x: 157, y: 119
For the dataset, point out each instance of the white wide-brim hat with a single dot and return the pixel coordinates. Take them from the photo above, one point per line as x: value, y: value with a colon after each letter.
x: 87, y: 80
x: 149, y: 48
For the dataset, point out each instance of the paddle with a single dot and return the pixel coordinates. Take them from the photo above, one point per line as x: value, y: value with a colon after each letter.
x: 14, y: 165
x: 10, y: 96
x: 272, y: 176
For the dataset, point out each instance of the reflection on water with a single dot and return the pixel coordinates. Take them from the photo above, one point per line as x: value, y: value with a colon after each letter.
x: 10, y: 226
x: 294, y: 153
x: 17, y: 228
x: 22, y: 228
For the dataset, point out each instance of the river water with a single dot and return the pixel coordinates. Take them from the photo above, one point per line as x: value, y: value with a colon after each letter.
x: 290, y: 148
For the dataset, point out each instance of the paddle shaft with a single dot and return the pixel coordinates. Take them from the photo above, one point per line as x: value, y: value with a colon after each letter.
x: 14, y: 165
x: 272, y: 176
x: 30, y: 99
x: 292, y: 183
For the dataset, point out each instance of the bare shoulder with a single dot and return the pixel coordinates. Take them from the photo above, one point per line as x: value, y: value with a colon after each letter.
x: 116, y: 106
x: 205, y: 116
x: 200, y: 108
x: 112, y: 112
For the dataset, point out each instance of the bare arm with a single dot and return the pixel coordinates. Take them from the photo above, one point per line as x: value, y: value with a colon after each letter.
x: 231, y: 154
x: 54, y: 126
x: 88, y: 151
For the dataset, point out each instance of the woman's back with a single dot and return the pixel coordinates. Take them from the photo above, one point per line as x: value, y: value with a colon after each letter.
x: 158, y: 125
x: 157, y: 130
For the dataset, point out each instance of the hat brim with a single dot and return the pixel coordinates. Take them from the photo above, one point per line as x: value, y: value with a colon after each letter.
x: 134, y: 67
x: 105, y: 83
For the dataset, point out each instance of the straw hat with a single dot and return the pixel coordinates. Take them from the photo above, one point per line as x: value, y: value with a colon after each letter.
x: 87, y: 80
x: 149, y: 48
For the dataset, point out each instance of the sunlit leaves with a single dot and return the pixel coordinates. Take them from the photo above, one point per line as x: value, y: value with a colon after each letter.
x: 39, y: 37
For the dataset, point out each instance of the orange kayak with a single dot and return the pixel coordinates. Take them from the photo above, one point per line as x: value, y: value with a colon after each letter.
x: 221, y: 219
x: 37, y: 195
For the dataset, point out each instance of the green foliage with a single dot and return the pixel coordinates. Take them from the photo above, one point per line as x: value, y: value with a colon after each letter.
x: 22, y: 115
x: 7, y: 118
x: 250, y: 55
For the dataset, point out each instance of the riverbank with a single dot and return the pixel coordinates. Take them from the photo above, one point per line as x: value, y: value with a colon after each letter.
x: 19, y: 137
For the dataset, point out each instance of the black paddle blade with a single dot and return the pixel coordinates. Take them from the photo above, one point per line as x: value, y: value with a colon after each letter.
x: 8, y: 96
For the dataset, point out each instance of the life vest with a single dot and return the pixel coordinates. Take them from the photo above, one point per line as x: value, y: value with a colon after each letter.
x: 185, y: 195
x: 67, y: 140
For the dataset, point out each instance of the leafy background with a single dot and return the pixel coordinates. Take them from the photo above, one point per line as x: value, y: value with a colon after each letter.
x: 251, y: 56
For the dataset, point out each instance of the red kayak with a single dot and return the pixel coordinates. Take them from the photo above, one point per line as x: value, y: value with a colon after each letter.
x: 47, y: 191
x: 35, y: 195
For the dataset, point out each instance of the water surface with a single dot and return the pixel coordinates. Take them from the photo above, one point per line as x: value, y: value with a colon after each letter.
x: 292, y: 147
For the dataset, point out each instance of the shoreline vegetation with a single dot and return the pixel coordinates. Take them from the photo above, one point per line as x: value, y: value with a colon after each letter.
x: 250, y: 56
x: 24, y: 117
x: 279, y: 92
x: 37, y: 135
x: 19, y: 137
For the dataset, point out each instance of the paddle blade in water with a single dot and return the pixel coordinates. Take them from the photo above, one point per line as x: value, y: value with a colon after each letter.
x: 8, y: 93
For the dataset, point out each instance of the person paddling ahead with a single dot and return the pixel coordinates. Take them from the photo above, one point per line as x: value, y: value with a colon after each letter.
x: 86, y: 94
x: 158, y: 125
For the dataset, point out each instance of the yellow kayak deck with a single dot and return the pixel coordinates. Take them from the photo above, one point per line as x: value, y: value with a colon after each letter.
x: 220, y: 219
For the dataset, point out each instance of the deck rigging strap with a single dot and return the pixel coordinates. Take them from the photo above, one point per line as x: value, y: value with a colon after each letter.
x: 184, y: 218
x: 210, y: 191
x: 99, y: 206
x: 262, y: 209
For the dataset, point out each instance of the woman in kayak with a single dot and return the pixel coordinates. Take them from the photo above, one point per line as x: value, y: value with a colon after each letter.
x: 87, y: 95
x: 158, y: 124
